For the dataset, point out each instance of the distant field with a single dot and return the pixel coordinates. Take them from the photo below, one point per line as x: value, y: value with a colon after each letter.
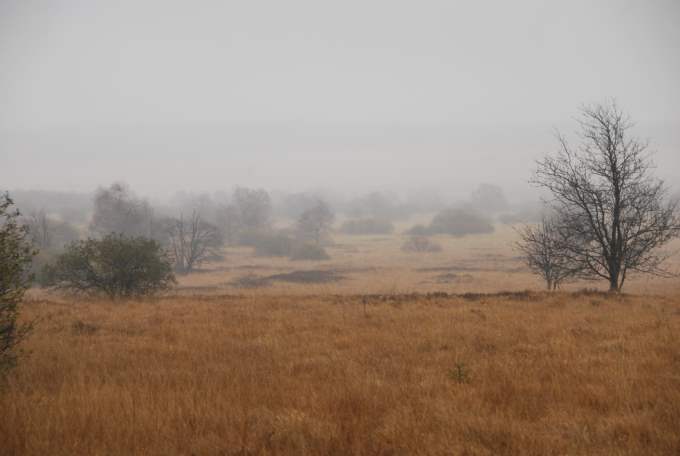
x: 376, y: 264
x: 353, y: 356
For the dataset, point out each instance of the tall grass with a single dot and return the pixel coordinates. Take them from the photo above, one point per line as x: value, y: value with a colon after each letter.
x: 525, y: 374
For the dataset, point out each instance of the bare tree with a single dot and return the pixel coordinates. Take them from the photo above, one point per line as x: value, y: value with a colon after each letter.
x: 39, y: 229
x: 315, y: 223
x: 545, y: 248
x: 49, y: 233
x: 605, y: 195
x: 193, y: 241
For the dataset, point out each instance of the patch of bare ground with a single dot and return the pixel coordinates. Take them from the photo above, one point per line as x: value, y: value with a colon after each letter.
x: 313, y: 276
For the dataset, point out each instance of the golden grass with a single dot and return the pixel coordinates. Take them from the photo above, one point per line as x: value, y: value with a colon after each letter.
x: 214, y: 369
x: 528, y: 374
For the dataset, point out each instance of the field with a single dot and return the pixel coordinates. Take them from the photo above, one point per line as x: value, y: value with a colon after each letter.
x: 376, y: 351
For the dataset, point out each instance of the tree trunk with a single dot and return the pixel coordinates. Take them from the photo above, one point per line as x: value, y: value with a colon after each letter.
x: 614, y: 284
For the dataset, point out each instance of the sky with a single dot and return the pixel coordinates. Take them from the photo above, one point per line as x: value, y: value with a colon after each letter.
x: 351, y: 95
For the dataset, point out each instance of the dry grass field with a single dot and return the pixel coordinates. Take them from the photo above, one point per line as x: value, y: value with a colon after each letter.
x: 374, y: 352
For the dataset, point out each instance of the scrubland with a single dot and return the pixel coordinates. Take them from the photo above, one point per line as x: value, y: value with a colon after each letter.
x: 384, y: 352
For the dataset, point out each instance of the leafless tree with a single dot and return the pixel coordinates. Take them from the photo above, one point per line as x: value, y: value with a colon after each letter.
x: 193, y: 241
x: 39, y: 229
x: 47, y: 232
x: 546, y: 250
x: 315, y: 223
x: 605, y: 195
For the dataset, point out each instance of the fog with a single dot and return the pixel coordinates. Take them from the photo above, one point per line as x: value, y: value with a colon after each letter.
x: 431, y: 96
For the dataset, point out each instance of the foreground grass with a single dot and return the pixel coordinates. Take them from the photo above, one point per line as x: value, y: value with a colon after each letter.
x: 515, y: 374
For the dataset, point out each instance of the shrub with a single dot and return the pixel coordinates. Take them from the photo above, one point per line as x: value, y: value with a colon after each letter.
x: 308, y: 251
x: 42, y: 268
x: 421, y: 244
x: 315, y: 223
x: 364, y: 226
x: 272, y: 244
x: 418, y: 230
x: 115, y: 265
x: 460, y: 222
x: 15, y: 260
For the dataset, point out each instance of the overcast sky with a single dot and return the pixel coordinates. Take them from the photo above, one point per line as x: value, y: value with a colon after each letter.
x: 203, y: 95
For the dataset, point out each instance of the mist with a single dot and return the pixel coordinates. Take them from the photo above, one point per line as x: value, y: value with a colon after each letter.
x: 347, y: 97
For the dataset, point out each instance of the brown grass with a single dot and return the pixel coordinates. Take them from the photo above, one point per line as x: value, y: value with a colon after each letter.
x: 405, y: 355
x: 525, y: 374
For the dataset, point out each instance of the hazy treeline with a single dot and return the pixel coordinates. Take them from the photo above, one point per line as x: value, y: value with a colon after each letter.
x: 195, y: 227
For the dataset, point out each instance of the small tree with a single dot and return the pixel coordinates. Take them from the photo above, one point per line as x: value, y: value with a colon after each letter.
x: 15, y: 259
x: 545, y: 248
x: 118, y: 210
x: 489, y: 198
x: 315, y: 223
x: 116, y: 265
x: 193, y: 241
x: 605, y: 195
x: 254, y: 208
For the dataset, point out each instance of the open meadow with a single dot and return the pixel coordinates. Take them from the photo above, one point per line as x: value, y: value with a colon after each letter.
x: 375, y: 351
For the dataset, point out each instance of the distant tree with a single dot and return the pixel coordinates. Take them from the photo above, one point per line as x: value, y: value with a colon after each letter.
x: 376, y: 205
x: 254, y: 208
x: 193, y: 241
x: 460, y: 222
x: 604, y: 194
x: 48, y: 233
x: 545, y: 248
x: 16, y: 252
x: 489, y: 198
x: 115, y: 265
x: 366, y: 226
x: 315, y: 223
x: 293, y: 205
x: 230, y: 221
x: 117, y: 210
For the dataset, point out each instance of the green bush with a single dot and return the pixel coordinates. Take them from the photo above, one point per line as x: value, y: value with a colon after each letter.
x: 15, y: 260
x: 116, y: 265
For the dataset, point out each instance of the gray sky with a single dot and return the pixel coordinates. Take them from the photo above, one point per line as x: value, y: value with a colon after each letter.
x: 204, y: 95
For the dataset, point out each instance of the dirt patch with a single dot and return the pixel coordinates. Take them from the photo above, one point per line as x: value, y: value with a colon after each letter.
x: 464, y: 268
x: 313, y: 276
x: 450, y: 277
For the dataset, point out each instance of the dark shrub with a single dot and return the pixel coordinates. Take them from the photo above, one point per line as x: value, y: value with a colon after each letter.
x: 42, y: 268
x: 421, y: 244
x: 15, y: 260
x: 364, y: 226
x: 115, y: 265
x: 460, y: 222
x: 308, y: 251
